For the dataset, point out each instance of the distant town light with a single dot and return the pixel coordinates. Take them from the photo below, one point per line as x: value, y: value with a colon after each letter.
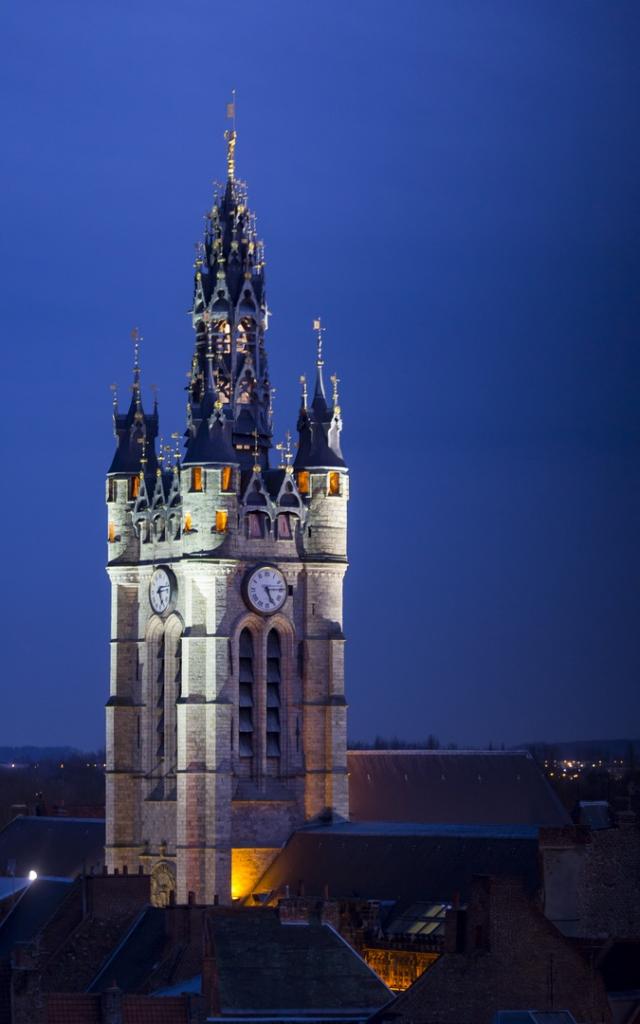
x: 33, y: 875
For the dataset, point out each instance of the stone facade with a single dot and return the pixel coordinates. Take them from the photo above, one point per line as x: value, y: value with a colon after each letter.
x: 226, y: 726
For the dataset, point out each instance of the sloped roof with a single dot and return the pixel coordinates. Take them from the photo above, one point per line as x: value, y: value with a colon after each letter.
x: 451, y: 787
x: 401, y: 863
x: 265, y: 965
x: 32, y: 911
x: 55, y: 847
x: 262, y: 966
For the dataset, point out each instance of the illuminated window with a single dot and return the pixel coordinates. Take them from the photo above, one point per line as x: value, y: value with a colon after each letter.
x: 188, y: 522
x: 134, y: 487
x: 226, y: 478
x: 111, y: 532
x: 273, y: 694
x: 112, y: 492
x: 303, y: 481
x: 334, y: 483
x: 196, y: 478
x: 221, y: 520
x: 283, y: 524
x: 245, y: 694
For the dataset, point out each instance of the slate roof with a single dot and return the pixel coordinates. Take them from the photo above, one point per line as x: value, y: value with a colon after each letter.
x: 451, y: 787
x: 262, y: 966
x: 265, y: 965
x: 402, y: 863
x: 55, y: 847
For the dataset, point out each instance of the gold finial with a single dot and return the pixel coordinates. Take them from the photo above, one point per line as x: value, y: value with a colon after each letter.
x: 256, y: 464
x: 231, y: 136
x: 176, y: 453
x: 335, y: 380
x: 303, y: 381
x: 287, y: 454
x: 319, y: 329
x: 143, y: 458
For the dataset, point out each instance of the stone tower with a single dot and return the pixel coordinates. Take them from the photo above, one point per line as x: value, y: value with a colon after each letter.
x: 226, y: 721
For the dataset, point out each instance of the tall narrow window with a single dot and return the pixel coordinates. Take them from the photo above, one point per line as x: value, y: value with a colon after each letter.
x: 334, y: 483
x: 222, y: 517
x: 226, y: 478
x: 188, y: 522
x: 196, y: 478
x: 245, y: 694
x: 111, y: 535
x: 159, y: 709
x: 112, y: 489
x: 303, y: 481
x: 273, y: 694
x: 134, y: 487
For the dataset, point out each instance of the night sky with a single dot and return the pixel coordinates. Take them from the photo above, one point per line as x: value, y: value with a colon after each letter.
x: 453, y: 186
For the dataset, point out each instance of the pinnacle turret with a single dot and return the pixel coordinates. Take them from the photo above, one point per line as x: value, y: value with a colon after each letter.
x: 135, y: 430
x: 319, y: 425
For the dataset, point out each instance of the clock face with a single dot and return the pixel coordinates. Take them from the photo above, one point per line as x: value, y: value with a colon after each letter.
x: 266, y: 590
x: 160, y: 591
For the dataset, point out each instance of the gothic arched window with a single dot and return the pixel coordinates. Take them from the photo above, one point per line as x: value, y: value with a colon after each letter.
x: 274, y: 678
x: 245, y: 694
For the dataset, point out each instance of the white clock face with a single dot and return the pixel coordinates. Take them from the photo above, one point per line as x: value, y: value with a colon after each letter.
x: 266, y: 590
x: 160, y: 591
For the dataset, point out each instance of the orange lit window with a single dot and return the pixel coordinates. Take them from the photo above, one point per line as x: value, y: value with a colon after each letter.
x: 188, y: 522
x: 196, y: 478
x: 221, y: 520
x: 111, y: 535
x: 112, y: 494
x: 226, y: 478
x: 334, y: 483
x: 134, y: 487
x: 303, y: 481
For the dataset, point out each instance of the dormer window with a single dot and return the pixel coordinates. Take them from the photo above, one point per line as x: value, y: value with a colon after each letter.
x: 134, y: 487
x: 226, y: 478
x: 196, y: 478
x: 304, y: 482
x: 333, y: 485
x: 222, y: 517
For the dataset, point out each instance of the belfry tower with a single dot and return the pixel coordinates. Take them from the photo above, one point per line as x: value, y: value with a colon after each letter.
x: 226, y: 721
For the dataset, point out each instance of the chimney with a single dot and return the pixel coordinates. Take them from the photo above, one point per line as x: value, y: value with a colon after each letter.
x: 111, y: 1011
x: 210, y: 981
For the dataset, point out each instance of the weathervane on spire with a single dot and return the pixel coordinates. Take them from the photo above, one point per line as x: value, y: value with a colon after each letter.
x: 319, y: 329
x: 256, y: 464
x: 335, y: 380
x: 230, y: 136
x: 305, y: 395
x: 287, y: 454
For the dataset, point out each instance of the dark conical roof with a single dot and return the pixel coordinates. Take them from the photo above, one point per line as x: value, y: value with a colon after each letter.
x: 211, y: 445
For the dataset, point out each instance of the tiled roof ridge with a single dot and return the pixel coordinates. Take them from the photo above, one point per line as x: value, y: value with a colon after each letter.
x: 444, y: 753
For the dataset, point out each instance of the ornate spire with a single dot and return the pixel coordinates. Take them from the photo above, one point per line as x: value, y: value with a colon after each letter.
x: 230, y: 307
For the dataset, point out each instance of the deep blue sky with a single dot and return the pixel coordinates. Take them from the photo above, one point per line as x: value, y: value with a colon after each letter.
x: 454, y: 187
